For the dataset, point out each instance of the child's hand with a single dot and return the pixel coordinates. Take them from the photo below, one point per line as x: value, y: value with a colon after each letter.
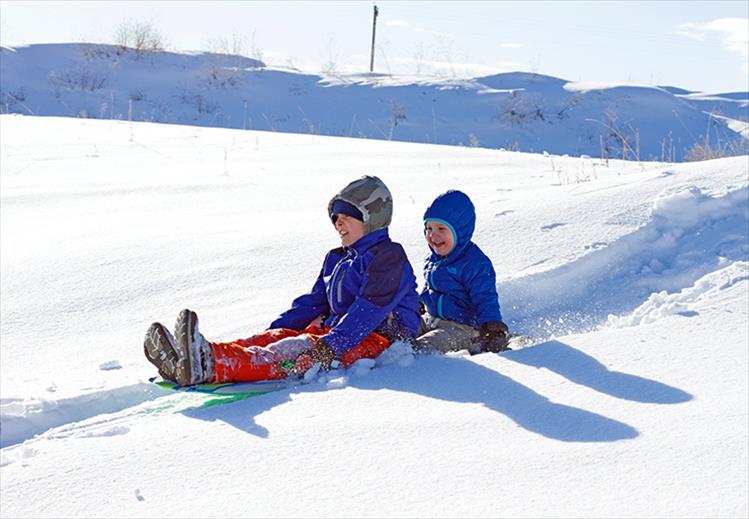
x: 322, y: 353
x: 493, y: 336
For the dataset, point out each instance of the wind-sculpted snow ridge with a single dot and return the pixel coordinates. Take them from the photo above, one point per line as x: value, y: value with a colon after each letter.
x: 25, y: 418
x: 690, y: 235
x: 663, y: 304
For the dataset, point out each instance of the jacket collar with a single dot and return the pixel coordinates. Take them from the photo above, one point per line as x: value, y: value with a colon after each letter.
x: 369, y: 240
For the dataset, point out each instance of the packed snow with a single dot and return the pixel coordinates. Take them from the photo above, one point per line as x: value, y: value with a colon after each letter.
x: 631, y: 277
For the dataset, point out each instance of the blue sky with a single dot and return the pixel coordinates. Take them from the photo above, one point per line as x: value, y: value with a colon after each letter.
x: 690, y: 44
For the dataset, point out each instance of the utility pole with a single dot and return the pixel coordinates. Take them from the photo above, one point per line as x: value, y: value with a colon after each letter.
x: 374, y: 26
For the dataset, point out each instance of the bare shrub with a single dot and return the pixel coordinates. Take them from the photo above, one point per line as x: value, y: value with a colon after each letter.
x: 419, y: 56
x: 714, y: 145
x: 397, y: 115
x: 139, y: 35
x: 81, y: 78
x: 706, y: 151
x: 330, y: 67
x: 623, y: 135
x: 227, y: 61
x: 519, y: 110
x: 236, y: 46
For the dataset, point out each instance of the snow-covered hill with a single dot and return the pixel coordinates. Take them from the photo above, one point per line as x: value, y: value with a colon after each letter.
x: 515, y: 111
x: 633, y: 278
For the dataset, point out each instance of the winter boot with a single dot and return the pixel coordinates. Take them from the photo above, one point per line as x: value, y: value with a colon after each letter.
x: 196, y: 361
x: 159, y: 348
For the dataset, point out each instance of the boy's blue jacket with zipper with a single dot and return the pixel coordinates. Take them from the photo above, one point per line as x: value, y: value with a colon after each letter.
x: 369, y: 286
x: 460, y: 286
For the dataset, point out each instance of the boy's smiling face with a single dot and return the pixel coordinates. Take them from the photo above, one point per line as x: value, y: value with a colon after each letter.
x: 439, y: 237
x: 349, y: 229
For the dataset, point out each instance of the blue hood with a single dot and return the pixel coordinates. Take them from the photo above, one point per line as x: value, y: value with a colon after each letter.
x: 456, y: 210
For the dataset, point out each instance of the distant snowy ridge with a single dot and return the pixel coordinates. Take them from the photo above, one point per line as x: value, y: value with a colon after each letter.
x: 516, y: 111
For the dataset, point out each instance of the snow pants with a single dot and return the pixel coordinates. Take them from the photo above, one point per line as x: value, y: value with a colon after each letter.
x: 270, y: 354
x: 443, y: 335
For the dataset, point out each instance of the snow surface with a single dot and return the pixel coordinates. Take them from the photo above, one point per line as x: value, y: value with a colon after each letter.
x: 632, y: 278
x: 517, y: 111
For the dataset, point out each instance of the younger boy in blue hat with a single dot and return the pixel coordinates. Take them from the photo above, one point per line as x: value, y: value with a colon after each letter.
x: 460, y: 295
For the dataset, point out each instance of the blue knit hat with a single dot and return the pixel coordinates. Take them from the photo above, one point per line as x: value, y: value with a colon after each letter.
x: 343, y: 207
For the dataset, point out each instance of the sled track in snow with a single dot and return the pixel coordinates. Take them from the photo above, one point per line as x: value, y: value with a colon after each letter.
x: 690, y: 235
x: 108, y: 412
x: 98, y: 412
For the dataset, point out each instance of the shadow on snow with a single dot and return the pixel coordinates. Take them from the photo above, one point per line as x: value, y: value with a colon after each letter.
x: 460, y: 380
x: 584, y: 370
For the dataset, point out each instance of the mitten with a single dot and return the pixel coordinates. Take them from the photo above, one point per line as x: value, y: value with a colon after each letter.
x: 493, y: 336
x: 322, y: 353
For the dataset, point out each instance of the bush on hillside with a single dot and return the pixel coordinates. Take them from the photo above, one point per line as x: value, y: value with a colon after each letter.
x: 138, y: 35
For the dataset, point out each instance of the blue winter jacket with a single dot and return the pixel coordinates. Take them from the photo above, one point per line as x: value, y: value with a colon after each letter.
x: 367, y: 287
x: 460, y: 286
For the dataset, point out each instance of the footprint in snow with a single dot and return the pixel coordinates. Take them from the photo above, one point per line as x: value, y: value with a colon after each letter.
x: 116, y: 430
x: 110, y: 365
x: 504, y: 213
x: 551, y: 226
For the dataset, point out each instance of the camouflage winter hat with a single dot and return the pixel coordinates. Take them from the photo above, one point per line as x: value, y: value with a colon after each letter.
x: 371, y: 196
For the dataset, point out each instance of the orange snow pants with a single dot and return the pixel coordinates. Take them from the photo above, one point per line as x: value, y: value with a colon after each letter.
x: 253, y: 359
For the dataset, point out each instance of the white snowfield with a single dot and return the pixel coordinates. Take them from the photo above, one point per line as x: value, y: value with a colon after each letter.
x: 632, y: 278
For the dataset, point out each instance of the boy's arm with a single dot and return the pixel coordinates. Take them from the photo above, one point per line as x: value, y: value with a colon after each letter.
x: 482, y: 288
x: 305, y: 308
x: 483, y: 291
x: 379, y: 295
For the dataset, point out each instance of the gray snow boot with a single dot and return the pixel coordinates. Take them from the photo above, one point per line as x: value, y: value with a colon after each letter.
x: 158, y: 346
x: 196, y: 361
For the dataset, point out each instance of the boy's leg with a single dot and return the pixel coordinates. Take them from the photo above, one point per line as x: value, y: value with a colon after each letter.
x: 195, y: 364
x: 369, y: 348
x: 260, y: 357
x: 447, y: 336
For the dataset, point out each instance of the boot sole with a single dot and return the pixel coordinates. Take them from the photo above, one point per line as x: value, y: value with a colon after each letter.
x: 159, y: 351
x: 184, y: 330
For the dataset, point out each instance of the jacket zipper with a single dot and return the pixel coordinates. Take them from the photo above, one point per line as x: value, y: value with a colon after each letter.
x: 433, y: 286
x: 431, y: 275
x: 336, y: 283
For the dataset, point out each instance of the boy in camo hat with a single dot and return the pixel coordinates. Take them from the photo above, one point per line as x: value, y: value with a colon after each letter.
x: 364, y: 298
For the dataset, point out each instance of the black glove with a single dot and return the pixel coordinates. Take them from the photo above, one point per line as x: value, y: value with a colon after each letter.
x: 322, y: 353
x: 493, y: 336
x: 422, y: 308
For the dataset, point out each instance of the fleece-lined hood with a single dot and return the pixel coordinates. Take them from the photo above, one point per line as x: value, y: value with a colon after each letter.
x: 455, y: 210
